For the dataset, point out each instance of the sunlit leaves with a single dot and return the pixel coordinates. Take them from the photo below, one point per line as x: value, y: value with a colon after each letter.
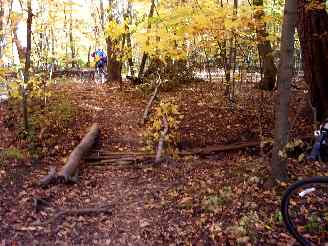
x: 176, y: 28
x: 152, y: 135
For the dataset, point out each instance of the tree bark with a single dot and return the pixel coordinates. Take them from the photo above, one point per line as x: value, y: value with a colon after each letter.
x: 69, y: 171
x: 278, y: 164
x: 2, y: 14
x: 114, y: 67
x: 150, y: 102
x: 312, y: 26
x: 161, y: 140
x: 128, y: 39
x: 102, y: 14
x: 27, y: 64
x: 72, y: 164
x: 264, y: 48
x: 20, y: 48
x: 71, y: 40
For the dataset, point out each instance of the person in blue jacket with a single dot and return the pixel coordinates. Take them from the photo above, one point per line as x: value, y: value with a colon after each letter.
x: 100, y: 58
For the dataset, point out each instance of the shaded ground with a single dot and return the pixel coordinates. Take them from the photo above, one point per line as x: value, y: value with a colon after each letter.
x: 217, y: 201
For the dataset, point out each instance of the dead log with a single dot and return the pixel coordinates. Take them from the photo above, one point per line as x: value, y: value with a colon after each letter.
x: 121, y: 161
x: 231, y: 147
x: 71, y: 166
x: 117, y: 157
x: 82, y: 211
x: 152, y: 98
x: 161, y: 140
x: 220, y: 148
x: 68, y: 172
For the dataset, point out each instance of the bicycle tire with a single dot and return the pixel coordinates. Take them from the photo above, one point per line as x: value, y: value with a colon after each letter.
x: 285, y: 205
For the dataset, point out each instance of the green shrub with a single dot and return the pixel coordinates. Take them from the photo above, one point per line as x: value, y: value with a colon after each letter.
x: 11, y: 153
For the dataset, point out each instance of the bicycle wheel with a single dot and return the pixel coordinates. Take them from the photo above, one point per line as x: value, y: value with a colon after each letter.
x: 304, y: 209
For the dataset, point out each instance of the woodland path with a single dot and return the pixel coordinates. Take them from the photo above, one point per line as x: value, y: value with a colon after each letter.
x: 152, y: 205
x: 128, y: 189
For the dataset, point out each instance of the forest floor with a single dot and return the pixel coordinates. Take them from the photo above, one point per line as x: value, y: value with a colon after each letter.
x: 219, y: 199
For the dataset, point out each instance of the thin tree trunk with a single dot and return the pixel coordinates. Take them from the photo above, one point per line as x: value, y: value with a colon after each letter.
x: 2, y: 14
x: 128, y: 39
x: 264, y: 48
x: 89, y: 54
x: 145, y: 55
x: 227, y: 67
x: 52, y: 47
x: 102, y: 14
x: 27, y: 63
x: 312, y: 27
x: 19, y: 46
x: 161, y: 141
x: 278, y: 164
x: 71, y: 40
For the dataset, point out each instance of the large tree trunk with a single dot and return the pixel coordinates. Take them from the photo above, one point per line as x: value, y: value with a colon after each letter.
x: 113, y: 65
x: 114, y: 68
x: 312, y: 26
x: 279, y: 165
x: 264, y: 48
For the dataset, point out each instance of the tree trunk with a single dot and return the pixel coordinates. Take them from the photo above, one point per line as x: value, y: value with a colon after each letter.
x: 27, y: 63
x: 71, y: 40
x: 128, y: 39
x: 278, y: 164
x: 312, y: 26
x: 2, y: 14
x: 145, y: 55
x: 89, y: 54
x: 264, y: 48
x: 113, y: 65
x: 19, y: 46
x: 102, y: 14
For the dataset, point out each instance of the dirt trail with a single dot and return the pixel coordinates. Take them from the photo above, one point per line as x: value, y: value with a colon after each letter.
x: 124, y: 188
x: 168, y: 204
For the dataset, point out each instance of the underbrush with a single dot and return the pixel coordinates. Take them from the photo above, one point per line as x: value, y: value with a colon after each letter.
x: 11, y: 153
x: 48, y: 124
x: 171, y: 85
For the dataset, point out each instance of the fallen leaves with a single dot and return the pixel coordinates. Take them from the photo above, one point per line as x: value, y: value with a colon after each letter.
x: 211, y: 202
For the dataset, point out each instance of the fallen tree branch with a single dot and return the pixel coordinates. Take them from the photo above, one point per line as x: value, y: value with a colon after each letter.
x: 82, y: 211
x: 152, y: 98
x: 123, y: 161
x: 68, y: 172
x: 117, y: 157
x: 230, y: 147
x: 71, y: 166
x: 161, y: 140
x: 220, y: 148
